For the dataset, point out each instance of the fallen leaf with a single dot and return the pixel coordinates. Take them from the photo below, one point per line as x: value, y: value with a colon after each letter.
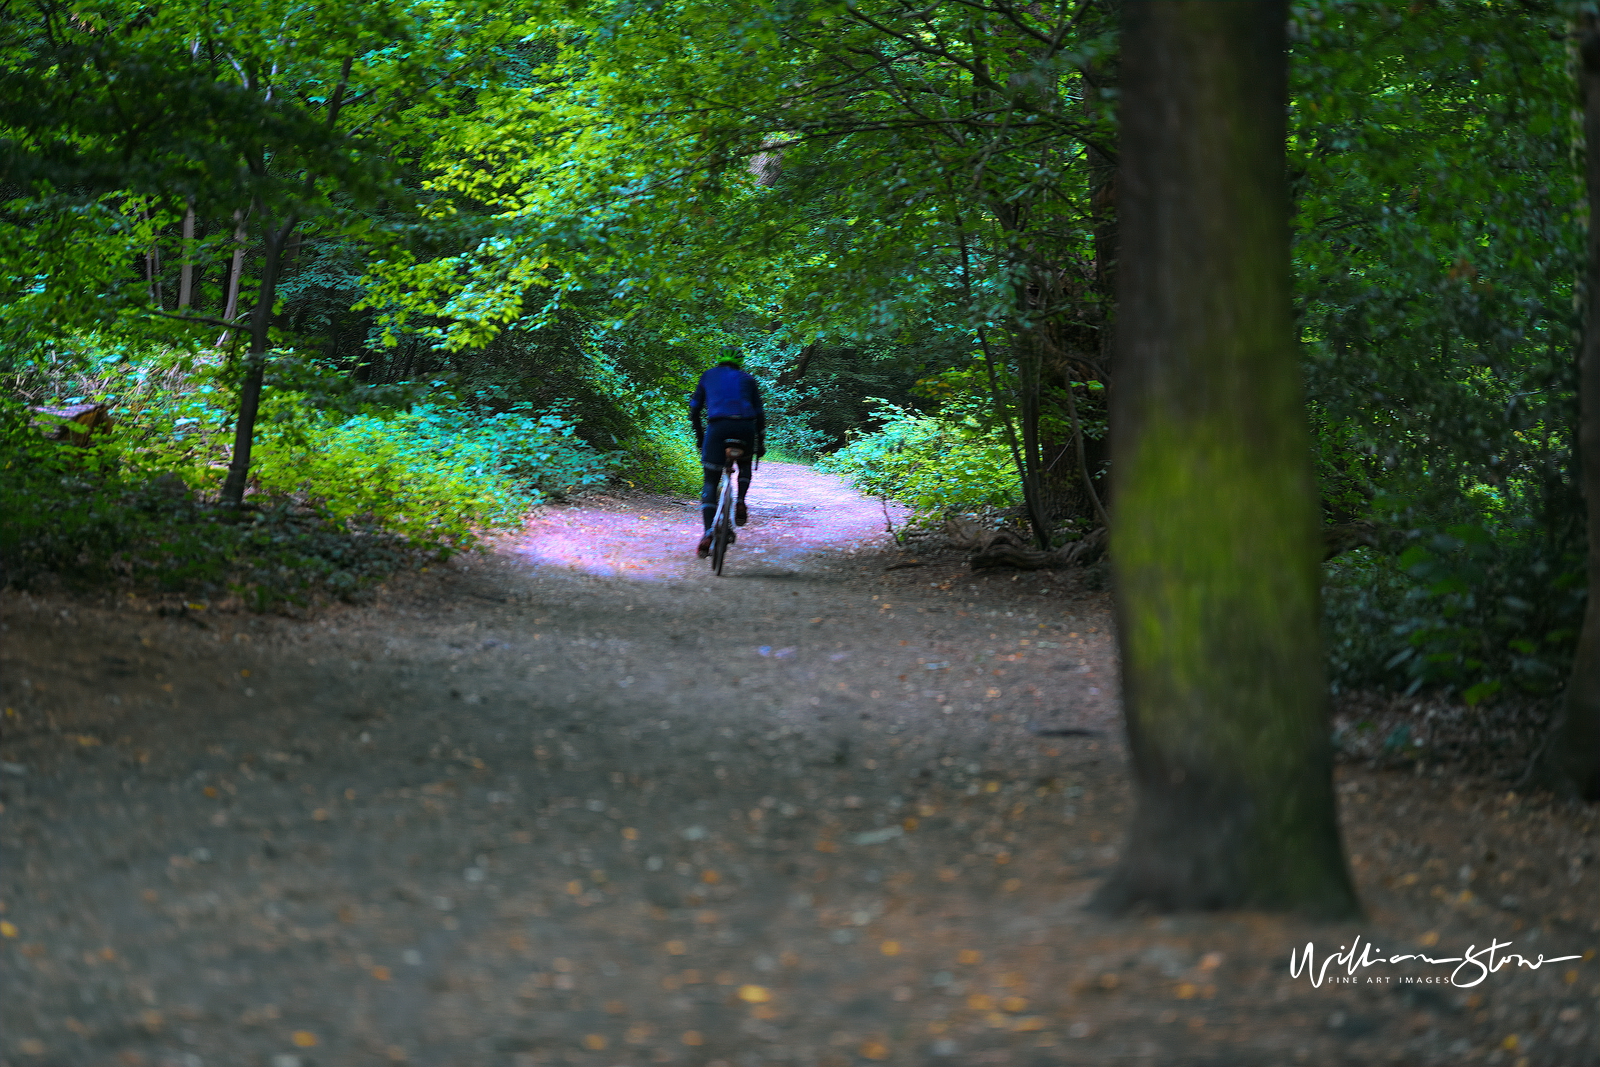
x: 754, y: 994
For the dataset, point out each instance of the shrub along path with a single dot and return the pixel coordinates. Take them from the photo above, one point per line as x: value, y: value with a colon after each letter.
x: 577, y: 801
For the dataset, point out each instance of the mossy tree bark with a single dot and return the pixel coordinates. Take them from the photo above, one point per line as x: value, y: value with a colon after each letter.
x: 1570, y: 760
x: 1214, y: 543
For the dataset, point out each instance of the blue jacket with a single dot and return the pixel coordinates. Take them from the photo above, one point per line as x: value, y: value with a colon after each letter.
x: 726, y: 392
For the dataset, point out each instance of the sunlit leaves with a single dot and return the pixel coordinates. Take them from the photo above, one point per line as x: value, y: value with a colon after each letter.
x: 822, y: 163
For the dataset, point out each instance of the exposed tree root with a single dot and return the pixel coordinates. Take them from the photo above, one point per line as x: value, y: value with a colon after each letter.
x: 1006, y: 548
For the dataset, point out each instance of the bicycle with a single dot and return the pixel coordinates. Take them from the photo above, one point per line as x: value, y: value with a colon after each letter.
x: 722, y: 534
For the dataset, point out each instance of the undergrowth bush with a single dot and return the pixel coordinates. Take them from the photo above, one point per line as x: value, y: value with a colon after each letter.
x: 660, y: 454
x: 433, y: 474
x: 1473, y: 609
x: 338, y: 499
x: 934, y: 465
x: 88, y: 518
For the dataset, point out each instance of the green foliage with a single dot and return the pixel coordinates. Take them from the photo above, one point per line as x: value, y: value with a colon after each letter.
x: 660, y: 454
x: 432, y: 475
x: 1437, y: 249
x: 1472, y: 609
x: 935, y: 465
x: 86, y: 517
x: 1438, y: 243
x: 348, y: 490
x: 843, y: 385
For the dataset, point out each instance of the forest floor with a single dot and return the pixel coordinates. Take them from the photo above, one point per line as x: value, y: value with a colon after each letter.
x: 578, y: 801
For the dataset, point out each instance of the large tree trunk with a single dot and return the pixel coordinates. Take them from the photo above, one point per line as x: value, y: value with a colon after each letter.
x: 1214, y: 547
x: 1570, y: 762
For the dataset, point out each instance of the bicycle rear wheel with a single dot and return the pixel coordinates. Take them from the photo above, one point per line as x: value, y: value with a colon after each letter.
x: 722, y: 525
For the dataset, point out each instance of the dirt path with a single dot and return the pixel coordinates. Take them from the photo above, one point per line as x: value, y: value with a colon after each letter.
x: 580, y: 802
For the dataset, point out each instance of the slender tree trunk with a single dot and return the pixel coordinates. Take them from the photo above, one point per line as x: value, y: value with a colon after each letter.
x: 1103, y: 210
x: 152, y: 268
x: 256, y: 362
x: 795, y: 371
x: 1215, y: 542
x: 1082, y: 455
x: 1027, y: 351
x: 1025, y: 347
x: 1570, y: 761
x: 186, y: 271
x: 235, y: 273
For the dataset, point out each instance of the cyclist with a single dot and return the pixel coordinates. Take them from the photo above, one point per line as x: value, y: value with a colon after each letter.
x: 725, y: 406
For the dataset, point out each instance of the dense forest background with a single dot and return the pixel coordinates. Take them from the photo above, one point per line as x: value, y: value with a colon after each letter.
x: 356, y: 282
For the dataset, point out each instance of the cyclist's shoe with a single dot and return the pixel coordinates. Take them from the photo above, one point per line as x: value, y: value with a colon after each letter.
x: 704, y: 548
x: 740, y: 515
